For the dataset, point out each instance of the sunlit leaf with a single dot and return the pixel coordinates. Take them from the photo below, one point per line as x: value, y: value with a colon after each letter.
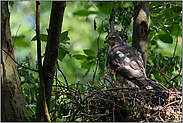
x: 29, y: 113
x: 26, y: 86
x: 166, y: 38
x: 20, y: 41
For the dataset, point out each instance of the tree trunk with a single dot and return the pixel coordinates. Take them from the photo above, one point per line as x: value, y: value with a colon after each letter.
x: 51, y: 54
x: 141, y: 28
x: 52, y: 47
x: 12, y: 101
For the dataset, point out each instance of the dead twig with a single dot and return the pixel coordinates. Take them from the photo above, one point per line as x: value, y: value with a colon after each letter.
x: 18, y: 63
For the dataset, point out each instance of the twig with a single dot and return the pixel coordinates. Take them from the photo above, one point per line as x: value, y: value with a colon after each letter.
x: 72, y: 119
x: 70, y: 87
x: 42, y: 107
x: 16, y: 33
x: 64, y: 77
x: 157, y: 70
x: 159, y: 5
x: 169, y: 83
x: 20, y: 64
x: 91, y: 116
x: 98, y: 52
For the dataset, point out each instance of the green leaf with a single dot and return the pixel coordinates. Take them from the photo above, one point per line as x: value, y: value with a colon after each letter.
x: 177, y: 9
x: 62, y: 52
x: 151, y: 62
x: 26, y: 86
x: 89, y: 52
x: 80, y: 57
x: 43, y: 37
x: 166, y: 38
x: 91, y: 57
x: 29, y: 113
x: 65, y: 41
x: 59, y: 120
x: 86, y: 65
x: 64, y: 35
x: 84, y: 12
x: 166, y: 12
x: 20, y: 41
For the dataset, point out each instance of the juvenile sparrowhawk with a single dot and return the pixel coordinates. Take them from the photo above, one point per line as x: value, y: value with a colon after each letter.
x: 127, y: 62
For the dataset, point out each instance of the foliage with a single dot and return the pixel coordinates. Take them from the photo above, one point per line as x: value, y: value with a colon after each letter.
x: 30, y: 88
x: 78, y: 53
x: 165, y: 30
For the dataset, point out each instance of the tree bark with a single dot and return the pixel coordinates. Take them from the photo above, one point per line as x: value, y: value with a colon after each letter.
x: 42, y: 113
x: 12, y: 103
x: 141, y: 28
x: 52, y: 47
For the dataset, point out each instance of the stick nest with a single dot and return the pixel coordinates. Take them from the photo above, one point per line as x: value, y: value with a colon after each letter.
x: 118, y: 104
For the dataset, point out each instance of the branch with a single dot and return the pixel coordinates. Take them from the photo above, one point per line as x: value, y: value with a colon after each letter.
x: 64, y: 77
x: 160, y: 5
x: 98, y: 52
x: 20, y: 64
x: 16, y: 33
x: 72, y: 119
x: 157, y: 70
x: 42, y: 113
x: 52, y: 46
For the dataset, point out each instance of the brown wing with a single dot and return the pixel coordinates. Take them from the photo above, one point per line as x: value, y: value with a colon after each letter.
x: 126, y: 61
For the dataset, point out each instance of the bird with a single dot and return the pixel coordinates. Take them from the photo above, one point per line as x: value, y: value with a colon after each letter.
x: 127, y: 62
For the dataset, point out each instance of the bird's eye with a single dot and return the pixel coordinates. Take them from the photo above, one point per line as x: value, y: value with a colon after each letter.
x: 111, y: 38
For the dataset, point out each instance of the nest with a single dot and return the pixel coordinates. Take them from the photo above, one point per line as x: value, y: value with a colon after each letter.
x: 118, y: 104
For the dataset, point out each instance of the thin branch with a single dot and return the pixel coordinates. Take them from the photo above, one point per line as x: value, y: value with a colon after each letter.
x: 72, y: 119
x: 16, y: 33
x: 160, y: 5
x: 64, y: 77
x: 157, y: 70
x: 42, y: 113
x: 169, y: 83
x: 20, y: 64
x: 98, y: 52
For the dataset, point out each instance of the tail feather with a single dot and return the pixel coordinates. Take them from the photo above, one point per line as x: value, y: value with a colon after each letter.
x: 154, y: 84
x: 142, y: 81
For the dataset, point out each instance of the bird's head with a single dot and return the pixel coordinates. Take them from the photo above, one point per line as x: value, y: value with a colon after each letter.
x: 113, y: 39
